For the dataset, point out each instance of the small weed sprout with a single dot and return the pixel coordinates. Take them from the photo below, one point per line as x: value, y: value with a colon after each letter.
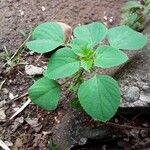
x: 100, y: 95
x: 135, y: 14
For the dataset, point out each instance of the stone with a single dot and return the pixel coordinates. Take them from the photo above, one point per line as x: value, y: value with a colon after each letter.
x: 2, y: 115
x: 144, y: 133
x: 146, y: 88
x: 145, y: 97
x: 33, y: 70
x: 82, y: 141
x: 132, y: 94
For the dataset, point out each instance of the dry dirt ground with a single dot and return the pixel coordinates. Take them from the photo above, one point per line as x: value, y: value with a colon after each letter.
x: 22, y: 15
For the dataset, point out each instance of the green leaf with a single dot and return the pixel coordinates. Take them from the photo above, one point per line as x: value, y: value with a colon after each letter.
x: 81, y: 47
x: 47, y: 37
x: 100, y: 97
x: 131, y: 4
x: 63, y: 63
x: 45, y: 93
x: 123, y: 37
x: 86, y: 63
x: 49, y: 30
x: 52, y: 146
x: 107, y: 56
x: 42, y: 46
x: 92, y: 33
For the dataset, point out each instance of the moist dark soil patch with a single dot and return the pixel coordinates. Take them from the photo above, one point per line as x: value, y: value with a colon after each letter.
x: 23, y: 15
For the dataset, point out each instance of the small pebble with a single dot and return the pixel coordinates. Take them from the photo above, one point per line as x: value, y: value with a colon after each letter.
x: 146, y: 88
x: 132, y: 94
x: 144, y: 133
x: 110, y: 20
x: 43, y: 8
x: 82, y: 141
x: 105, y: 17
x: 33, y: 70
x: 21, y: 12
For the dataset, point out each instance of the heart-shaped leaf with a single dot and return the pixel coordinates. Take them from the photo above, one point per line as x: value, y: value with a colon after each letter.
x: 49, y: 30
x: 45, y: 93
x: 100, y: 97
x: 47, y: 37
x: 107, y: 56
x: 92, y: 33
x: 43, y: 45
x: 63, y: 63
x: 123, y: 37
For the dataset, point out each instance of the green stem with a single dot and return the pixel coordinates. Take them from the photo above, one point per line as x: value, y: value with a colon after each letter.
x: 77, y: 80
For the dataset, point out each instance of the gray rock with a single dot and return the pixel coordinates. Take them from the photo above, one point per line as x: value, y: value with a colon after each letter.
x: 33, y: 70
x: 146, y: 88
x: 145, y: 97
x: 132, y: 94
x: 83, y: 141
x: 144, y: 133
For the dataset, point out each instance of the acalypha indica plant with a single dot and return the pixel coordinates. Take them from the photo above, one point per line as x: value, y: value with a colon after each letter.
x: 100, y: 95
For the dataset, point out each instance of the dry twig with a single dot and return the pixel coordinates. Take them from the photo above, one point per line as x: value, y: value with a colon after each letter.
x: 20, y: 109
x: 3, y: 145
x: 126, y: 126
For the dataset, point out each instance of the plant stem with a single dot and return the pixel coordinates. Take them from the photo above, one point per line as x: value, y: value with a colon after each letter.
x: 77, y: 80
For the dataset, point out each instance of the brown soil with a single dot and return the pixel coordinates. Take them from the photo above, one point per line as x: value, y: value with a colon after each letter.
x: 68, y: 11
x: 22, y: 15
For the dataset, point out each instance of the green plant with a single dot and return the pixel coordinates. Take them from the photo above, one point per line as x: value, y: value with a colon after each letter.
x: 12, y: 60
x: 135, y: 14
x: 100, y: 95
x: 51, y: 145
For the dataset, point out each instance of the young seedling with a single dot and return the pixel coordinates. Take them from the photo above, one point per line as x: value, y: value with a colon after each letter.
x: 12, y: 60
x: 100, y: 95
x: 135, y: 14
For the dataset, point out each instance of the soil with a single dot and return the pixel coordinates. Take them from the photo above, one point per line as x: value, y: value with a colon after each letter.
x: 24, y: 15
